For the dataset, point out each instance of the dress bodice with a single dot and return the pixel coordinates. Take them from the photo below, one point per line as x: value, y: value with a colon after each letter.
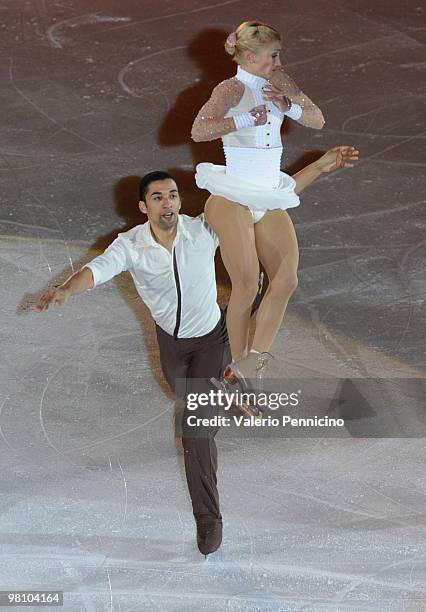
x: 264, y: 136
x: 254, y: 153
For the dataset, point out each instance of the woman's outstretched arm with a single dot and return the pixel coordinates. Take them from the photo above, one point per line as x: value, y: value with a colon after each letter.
x: 281, y: 84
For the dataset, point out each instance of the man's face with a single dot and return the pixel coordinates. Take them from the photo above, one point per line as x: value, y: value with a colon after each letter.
x: 267, y: 59
x: 162, y: 204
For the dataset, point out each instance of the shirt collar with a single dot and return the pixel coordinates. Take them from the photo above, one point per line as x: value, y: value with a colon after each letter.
x: 145, y: 238
x: 250, y: 79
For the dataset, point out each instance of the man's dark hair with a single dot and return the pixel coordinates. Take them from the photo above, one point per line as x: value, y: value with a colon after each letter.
x: 157, y: 175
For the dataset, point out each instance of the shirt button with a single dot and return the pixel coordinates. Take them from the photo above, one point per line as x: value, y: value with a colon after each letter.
x: 267, y: 145
x: 268, y: 134
x: 269, y: 123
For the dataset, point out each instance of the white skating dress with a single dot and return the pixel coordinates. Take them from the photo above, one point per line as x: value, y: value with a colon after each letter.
x: 252, y: 175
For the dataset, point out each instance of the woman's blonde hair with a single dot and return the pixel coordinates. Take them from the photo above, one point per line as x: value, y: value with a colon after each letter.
x: 251, y: 36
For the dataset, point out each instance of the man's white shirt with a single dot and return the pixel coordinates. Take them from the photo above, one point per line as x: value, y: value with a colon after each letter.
x: 159, y: 284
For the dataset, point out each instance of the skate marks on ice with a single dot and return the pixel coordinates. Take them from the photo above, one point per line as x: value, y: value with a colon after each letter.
x: 54, y: 31
x: 137, y: 92
x: 60, y: 126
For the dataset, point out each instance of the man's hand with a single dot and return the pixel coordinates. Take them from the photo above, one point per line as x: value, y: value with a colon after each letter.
x: 57, y: 295
x: 77, y: 283
x: 338, y: 157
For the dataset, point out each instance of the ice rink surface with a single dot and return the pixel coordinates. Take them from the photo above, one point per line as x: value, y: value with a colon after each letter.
x: 93, y: 497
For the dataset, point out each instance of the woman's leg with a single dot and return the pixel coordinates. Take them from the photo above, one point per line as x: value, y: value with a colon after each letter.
x: 276, y: 246
x: 233, y: 223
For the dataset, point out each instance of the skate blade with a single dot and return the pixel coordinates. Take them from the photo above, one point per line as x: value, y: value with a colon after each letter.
x: 219, y: 384
x: 245, y: 409
x: 225, y: 386
x: 249, y: 411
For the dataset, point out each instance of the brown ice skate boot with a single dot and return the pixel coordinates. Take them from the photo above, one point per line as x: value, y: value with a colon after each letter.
x: 209, y: 535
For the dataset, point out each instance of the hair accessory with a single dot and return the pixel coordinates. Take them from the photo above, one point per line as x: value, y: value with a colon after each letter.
x: 232, y: 39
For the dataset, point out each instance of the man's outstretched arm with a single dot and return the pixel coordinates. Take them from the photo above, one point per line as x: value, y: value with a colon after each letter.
x: 77, y: 283
x: 100, y: 270
x: 338, y: 157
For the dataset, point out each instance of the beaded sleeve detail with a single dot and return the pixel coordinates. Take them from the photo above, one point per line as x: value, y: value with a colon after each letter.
x: 311, y: 115
x: 211, y: 123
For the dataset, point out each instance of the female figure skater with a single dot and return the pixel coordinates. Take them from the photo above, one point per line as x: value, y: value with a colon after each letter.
x: 250, y: 195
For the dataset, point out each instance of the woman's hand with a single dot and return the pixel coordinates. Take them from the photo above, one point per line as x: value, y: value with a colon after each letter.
x: 277, y: 96
x: 284, y: 86
x: 338, y: 157
x: 259, y: 114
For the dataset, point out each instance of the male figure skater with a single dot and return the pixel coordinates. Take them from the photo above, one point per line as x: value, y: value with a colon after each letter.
x: 171, y: 260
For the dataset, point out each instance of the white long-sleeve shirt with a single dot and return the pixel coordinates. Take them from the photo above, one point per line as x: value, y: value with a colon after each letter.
x: 179, y: 287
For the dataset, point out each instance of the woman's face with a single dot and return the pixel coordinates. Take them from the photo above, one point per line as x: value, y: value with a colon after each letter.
x: 267, y: 59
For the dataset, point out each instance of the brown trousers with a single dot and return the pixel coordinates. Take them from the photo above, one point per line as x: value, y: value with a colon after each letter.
x: 188, y: 364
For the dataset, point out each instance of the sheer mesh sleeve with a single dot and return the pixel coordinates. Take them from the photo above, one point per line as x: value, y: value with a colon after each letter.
x: 311, y: 115
x: 210, y: 123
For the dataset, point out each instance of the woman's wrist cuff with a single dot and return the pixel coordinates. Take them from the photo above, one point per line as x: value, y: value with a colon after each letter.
x: 244, y: 120
x: 295, y: 112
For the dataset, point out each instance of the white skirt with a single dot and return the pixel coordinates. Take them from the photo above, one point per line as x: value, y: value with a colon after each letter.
x: 242, y: 186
